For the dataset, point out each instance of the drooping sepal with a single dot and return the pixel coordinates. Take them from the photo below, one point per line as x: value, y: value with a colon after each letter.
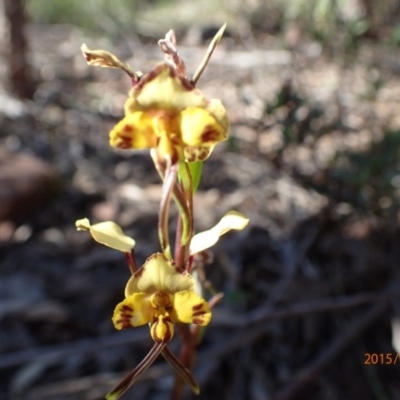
x: 181, y: 370
x: 133, y: 376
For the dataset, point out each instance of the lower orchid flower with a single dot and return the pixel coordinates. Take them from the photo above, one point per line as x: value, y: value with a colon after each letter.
x: 160, y: 294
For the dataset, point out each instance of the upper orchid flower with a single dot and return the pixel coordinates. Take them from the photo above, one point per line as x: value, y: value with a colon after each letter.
x: 165, y: 110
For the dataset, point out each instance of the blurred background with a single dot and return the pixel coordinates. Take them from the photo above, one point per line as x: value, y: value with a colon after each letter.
x: 311, y: 307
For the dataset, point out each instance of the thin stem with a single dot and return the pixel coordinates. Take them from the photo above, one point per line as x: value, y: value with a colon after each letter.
x: 169, y: 183
x: 179, y: 254
x: 186, y: 358
x: 189, y: 264
x: 177, y: 194
x: 189, y: 199
x: 184, y: 229
x: 130, y: 257
x: 184, y: 212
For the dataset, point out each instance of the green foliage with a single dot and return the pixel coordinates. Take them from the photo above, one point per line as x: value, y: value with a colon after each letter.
x: 338, y: 24
x: 396, y: 35
x: 332, y: 22
x: 115, y: 16
x: 89, y: 14
x: 373, y: 176
x: 196, y: 169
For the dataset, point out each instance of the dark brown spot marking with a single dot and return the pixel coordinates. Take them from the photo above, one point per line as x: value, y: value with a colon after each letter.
x: 139, y: 272
x: 126, y: 315
x: 124, y: 322
x: 197, y: 307
x: 198, y: 321
x: 124, y: 142
x: 209, y: 134
x: 190, y: 154
x: 128, y: 128
x: 198, y: 313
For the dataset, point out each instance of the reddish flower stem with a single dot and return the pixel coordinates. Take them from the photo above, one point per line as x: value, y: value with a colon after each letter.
x: 179, y: 254
x: 186, y: 357
x: 130, y: 257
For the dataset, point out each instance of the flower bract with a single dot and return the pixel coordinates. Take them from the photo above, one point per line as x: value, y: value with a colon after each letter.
x: 161, y: 295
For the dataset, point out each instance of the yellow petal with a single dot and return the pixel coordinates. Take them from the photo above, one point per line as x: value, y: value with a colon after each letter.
x: 206, y: 239
x: 190, y: 308
x: 217, y: 110
x: 159, y: 274
x: 135, y: 310
x: 108, y: 233
x: 163, y: 89
x: 135, y: 131
x: 162, y: 330
x: 131, y: 105
x: 200, y: 128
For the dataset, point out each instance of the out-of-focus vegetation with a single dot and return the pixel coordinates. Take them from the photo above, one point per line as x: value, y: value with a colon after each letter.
x: 332, y: 22
x: 116, y: 16
x: 90, y: 14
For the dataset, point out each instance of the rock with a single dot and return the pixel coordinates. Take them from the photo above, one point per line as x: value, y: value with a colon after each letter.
x: 26, y: 183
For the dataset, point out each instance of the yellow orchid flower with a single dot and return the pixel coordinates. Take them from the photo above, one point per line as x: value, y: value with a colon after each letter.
x: 166, y: 112
x: 160, y: 295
